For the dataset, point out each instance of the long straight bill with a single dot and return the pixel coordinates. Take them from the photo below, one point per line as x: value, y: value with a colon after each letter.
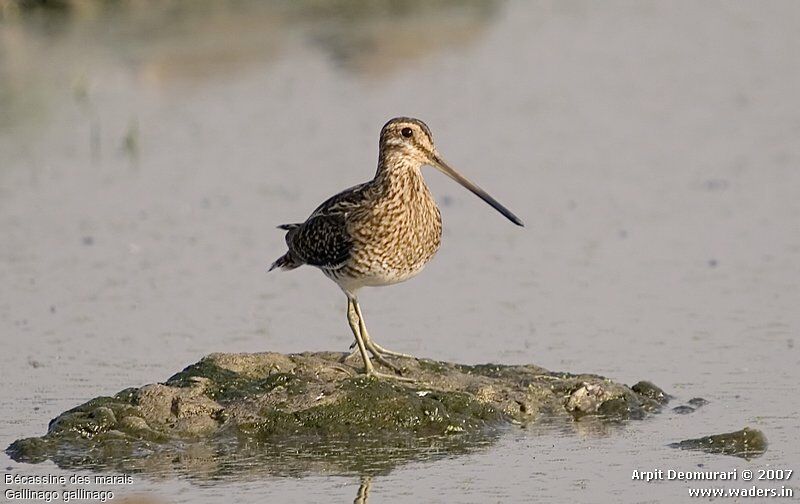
x: 450, y: 172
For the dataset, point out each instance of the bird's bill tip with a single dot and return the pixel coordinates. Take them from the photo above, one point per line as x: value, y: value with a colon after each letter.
x: 443, y: 167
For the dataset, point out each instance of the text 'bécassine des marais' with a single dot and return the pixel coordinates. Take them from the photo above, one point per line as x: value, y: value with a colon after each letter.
x: 74, y: 479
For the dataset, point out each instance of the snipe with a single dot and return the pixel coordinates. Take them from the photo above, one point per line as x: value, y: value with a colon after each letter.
x: 380, y: 232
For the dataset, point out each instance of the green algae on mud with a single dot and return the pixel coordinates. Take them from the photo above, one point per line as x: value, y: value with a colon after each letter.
x: 302, y: 412
x: 745, y: 443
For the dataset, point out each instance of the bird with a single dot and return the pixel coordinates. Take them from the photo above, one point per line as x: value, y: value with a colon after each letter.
x: 380, y: 232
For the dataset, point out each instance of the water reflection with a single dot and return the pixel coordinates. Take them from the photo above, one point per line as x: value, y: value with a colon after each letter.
x: 231, y: 459
x: 377, y: 38
x: 190, y: 41
x: 363, y: 490
x: 89, y: 45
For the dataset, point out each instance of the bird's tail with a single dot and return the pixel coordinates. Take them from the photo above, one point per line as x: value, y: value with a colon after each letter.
x: 287, y: 261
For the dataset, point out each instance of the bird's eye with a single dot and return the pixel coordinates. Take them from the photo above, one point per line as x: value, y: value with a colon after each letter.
x: 406, y: 132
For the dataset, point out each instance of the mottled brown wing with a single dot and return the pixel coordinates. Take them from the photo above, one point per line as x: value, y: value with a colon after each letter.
x: 321, y: 241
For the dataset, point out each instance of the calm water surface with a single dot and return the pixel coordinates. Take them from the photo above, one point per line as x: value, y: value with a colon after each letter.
x: 651, y: 148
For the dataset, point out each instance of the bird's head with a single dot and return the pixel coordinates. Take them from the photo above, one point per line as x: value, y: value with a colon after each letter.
x: 406, y: 142
x: 409, y: 138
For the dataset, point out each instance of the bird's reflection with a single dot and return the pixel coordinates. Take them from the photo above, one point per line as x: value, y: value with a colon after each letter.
x: 363, y: 490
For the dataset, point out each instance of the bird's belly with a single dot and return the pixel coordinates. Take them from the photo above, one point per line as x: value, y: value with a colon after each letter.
x: 390, y: 267
x: 378, y: 262
x: 391, y: 243
x: 387, y: 276
x: 376, y: 276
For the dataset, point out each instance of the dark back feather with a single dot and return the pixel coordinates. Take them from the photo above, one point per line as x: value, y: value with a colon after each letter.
x: 323, y: 239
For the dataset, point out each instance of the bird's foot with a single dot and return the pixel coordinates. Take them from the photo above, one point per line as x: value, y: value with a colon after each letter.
x: 376, y: 374
x: 378, y: 354
x: 386, y: 351
x: 374, y: 347
x: 378, y: 357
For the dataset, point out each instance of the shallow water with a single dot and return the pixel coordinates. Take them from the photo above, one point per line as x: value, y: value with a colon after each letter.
x: 651, y: 148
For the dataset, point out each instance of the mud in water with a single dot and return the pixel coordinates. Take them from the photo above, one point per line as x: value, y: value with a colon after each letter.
x: 294, y: 413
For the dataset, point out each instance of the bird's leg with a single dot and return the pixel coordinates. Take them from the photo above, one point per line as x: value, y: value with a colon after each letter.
x: 376, y: 353
x: 352, y: 319
x: 373, y: 347
x: 359, y: 329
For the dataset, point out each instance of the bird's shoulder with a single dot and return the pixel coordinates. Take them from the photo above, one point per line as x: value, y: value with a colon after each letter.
x: 344, y: 202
